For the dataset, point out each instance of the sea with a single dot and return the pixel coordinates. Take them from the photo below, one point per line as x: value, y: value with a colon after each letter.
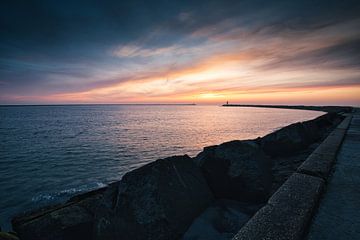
x: 50, y: 153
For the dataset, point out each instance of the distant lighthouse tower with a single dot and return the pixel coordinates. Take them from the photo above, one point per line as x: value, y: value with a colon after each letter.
x: 227, y: 102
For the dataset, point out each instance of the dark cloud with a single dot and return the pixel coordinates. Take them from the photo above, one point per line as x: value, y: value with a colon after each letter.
x: 343, y: 55
x: 56, y: 24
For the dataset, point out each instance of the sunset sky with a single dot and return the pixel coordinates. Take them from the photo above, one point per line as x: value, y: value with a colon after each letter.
x: 263, y: 52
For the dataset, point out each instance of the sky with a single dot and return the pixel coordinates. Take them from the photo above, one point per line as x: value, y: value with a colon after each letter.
x: 204, y: 52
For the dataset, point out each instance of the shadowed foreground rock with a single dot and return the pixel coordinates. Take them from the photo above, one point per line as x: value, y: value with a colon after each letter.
x: 72, y: 220
x: 237, y: 170
x: 8, y: 236
x: 221, y: 221
x: 156, y: 201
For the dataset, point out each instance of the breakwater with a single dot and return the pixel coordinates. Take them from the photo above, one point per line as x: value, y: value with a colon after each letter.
x: 287, y: 214
x: 161, y: 200
x: 333, y: 109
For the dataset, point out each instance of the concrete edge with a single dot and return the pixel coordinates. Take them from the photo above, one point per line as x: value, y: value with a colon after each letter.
x: 289, y: 211
x: 345, y: 123
x: 320, y: 162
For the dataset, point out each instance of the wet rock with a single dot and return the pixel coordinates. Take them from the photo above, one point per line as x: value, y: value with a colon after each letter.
x: 237, y: 170
x: 156, y: 201
x: 72, y: 220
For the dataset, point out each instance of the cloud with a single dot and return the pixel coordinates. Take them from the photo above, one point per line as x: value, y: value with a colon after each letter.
x: 138, y: 51
x: 342, y: 55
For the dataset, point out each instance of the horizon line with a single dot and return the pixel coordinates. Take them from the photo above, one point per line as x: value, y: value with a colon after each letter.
x: 83, y: 104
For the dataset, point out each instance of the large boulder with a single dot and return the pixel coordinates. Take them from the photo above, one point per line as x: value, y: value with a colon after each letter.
x: 70, y: 221
x: 285, y: 141
x: 157, y: 201
x: 237, y: 170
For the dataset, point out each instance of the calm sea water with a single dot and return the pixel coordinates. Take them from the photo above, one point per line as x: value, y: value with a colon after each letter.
x: 49, y: 153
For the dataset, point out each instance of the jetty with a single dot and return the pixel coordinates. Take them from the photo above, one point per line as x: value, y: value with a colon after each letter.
x: 337, y: 109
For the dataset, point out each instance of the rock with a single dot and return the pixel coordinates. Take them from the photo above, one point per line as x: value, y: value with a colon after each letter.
x: 297, y: 136
x: 72, y: 220
x: 285, y: 141
x: 327, y: 120
x: 156, y: 201
x: 237, y: 170
x: 8, y: 236
x: 221, y: 221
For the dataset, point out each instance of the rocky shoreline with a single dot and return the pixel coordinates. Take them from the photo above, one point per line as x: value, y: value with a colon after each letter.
x: 210, y: 196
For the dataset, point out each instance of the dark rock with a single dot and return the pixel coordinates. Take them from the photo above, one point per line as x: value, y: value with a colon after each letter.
x: 284, y: 167
x: 286, y: 140
x: 156, y: 201
x: 237, y: 170
x: 72, y: 220
x: 298, y: 136
x: 222, y: 220
x: 8, y: 236
x: 327, y: 120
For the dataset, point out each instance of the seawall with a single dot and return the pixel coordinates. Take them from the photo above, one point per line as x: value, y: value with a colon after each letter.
x: 163, y: 199
x: 287, y: 214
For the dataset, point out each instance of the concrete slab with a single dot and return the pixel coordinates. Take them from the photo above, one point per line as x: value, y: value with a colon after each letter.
x: 318, y: 165
x: 338, y: 216
x: 345, y: 123
x: 320, y: 162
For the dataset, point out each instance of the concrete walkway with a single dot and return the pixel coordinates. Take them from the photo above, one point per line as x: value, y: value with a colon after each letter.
x: 338, y: 216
